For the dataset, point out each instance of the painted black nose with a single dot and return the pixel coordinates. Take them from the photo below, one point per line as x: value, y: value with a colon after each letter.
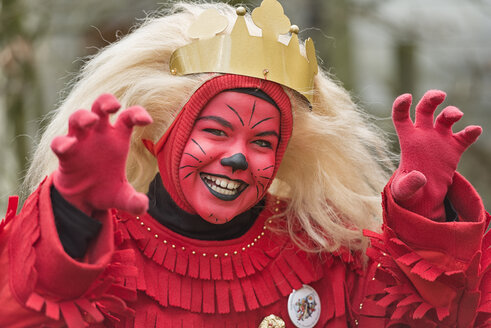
x: 236, y: 162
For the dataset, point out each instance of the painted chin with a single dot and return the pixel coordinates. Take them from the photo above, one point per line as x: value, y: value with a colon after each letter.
x: 223, y: 187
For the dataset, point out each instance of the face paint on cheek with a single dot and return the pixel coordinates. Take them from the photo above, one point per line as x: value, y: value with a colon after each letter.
x: 194, y: 157
x: 188, y: 166
x: 261, y: 181
x: 200, y: 148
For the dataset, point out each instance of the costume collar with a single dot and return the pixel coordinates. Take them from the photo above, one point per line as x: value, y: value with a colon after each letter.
x: 167, y: 213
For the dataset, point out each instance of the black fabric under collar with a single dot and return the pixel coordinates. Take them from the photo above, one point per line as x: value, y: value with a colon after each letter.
x: 75, y: 228
x: 166, y: 212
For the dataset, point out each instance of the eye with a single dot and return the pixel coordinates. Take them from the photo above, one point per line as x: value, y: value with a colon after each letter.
x: 263, y: 143
x: 216, y: 132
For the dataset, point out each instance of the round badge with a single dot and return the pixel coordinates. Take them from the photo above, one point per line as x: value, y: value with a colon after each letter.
x: 304, y: 307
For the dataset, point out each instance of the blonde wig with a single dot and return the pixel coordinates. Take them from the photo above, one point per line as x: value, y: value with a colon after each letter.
x: 333, y: 170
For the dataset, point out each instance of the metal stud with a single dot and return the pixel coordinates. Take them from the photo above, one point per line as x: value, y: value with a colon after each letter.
x: 294, y: 29
x: 241, y: 11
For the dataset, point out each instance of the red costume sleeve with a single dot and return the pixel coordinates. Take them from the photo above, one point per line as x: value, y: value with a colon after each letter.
x: 41, y: 284
x: 426, y: 273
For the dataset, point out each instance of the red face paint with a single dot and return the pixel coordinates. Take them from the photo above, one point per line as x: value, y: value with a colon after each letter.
x: 229, y: 157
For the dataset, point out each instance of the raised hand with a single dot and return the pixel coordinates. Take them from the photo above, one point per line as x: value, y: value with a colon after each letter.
x: 92, y: 158
x: 430, y: 152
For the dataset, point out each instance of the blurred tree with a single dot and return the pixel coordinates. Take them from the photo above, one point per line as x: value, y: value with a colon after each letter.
x: 22, y: 94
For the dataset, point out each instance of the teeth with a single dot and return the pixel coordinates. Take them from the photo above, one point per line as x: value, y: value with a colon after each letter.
x: 222, y: 185
x: 223, y: 191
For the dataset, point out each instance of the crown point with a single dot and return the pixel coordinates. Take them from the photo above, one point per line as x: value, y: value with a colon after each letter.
x: 271, y: 19
x: 241, y: 11
x: 294, y: 29
x: 209, y: 23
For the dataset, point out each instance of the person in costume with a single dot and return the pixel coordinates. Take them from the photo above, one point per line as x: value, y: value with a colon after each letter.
x: 262, y: 182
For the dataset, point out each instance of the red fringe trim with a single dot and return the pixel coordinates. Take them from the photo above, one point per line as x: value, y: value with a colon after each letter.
x: 105, y: 299
x: 11, y: 212
x: 401, y: 300
x: 155, y: 317
x: 256, y: 276
x: 483, y: 318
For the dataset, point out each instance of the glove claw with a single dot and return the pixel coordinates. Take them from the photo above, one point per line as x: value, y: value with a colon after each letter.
x: 448, y: 117
x: 405, y: 185
x: 469, y: 135
x: 427, y: 106
x: 400, y: 108
x: 80, y: 122
x: 128, y: 199
x: 105, y: 104
x: 132, y: 116
x: 138, y: 204
x: 63, y: 144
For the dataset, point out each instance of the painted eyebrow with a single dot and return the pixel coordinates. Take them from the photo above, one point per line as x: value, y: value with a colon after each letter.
x: 217, y: 119
x: 268, y: 133
x: 268, y: 118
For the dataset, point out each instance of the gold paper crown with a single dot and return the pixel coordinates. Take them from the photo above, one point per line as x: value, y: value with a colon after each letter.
x: 240, y: 53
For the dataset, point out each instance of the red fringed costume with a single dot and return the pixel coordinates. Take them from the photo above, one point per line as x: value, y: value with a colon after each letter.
x: 432, y: 275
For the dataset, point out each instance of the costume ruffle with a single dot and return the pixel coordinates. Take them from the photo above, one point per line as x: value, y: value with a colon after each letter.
x: 252, y: 271
x: 12, y: 205
x: 107, y: 293
x: 428, y: 287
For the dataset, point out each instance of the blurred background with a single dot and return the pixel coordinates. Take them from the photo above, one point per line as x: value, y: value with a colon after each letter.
x: 378, y: 49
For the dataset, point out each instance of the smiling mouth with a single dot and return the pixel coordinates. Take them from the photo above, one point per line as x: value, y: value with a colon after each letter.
x: 222, y: 187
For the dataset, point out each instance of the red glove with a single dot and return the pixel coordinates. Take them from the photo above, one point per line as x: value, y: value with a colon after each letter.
x: 430, y: 153
x: 92, y: 158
